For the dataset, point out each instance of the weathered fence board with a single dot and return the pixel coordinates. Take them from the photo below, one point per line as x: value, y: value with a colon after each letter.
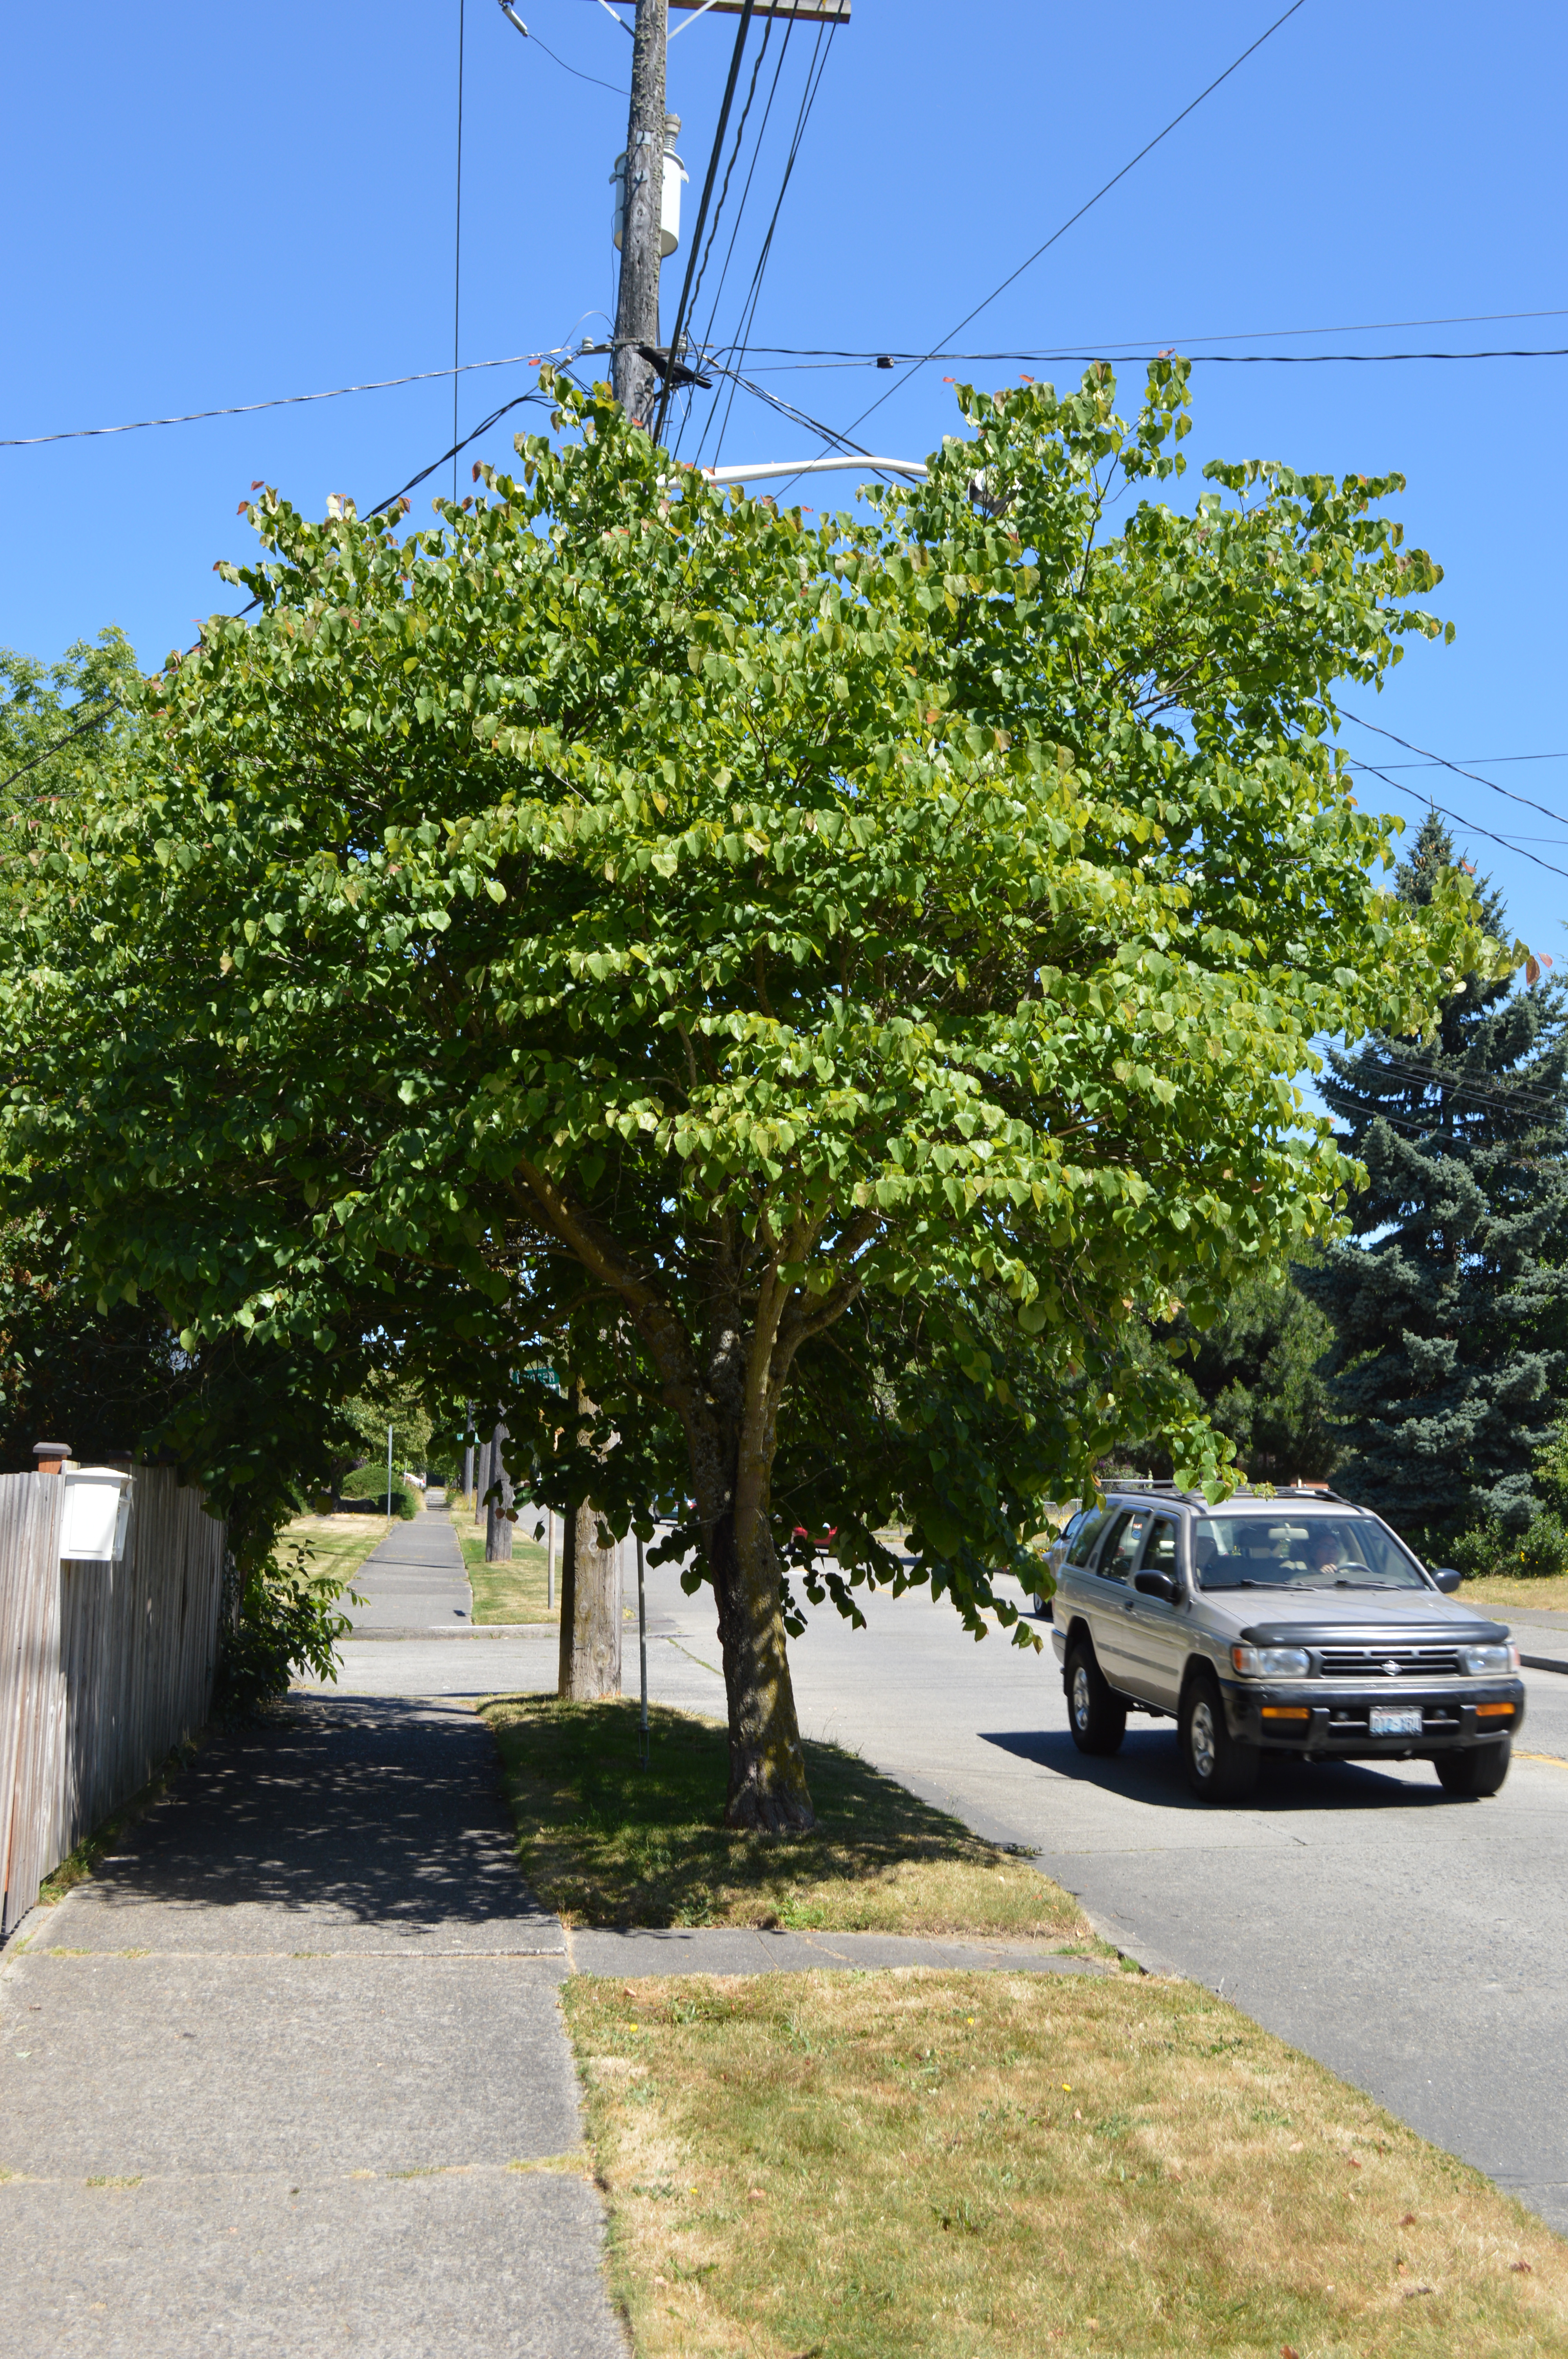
x: 102, y: 1666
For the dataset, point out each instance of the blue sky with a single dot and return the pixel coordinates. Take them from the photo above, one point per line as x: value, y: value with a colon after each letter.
x: 209, y: 206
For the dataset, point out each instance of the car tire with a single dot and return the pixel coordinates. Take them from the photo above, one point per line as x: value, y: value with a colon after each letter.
x: 1096, y: 1713
x: 1219, y: 1767
x: 1476, y: 1773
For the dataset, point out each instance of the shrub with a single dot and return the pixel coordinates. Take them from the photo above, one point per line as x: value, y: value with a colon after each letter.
x: 366, y: 1488
x: 289, y: 1618
x: 1539, y: 1550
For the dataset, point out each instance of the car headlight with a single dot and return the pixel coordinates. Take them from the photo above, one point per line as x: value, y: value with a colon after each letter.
x: 1480, y: 1659
x: 1271, y: 1662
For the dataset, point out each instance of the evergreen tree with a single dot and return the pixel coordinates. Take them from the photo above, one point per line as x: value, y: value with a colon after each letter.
x: 1450, y: 1312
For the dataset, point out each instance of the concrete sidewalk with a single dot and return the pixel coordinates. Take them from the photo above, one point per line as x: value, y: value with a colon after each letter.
x: 415, y: 1582
x: 267, y: 2082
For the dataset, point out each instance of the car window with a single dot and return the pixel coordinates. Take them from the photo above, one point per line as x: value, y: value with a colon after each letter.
x: 1119, y: 1553
x: 1090, y: 1527
x: 1159, y: 1547
x: 1300, y: 1551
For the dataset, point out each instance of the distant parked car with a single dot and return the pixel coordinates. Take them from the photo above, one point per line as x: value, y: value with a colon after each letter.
x: 1290, y: 1624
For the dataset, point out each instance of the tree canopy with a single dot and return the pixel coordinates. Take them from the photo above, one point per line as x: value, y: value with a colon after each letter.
x: 807, y: 988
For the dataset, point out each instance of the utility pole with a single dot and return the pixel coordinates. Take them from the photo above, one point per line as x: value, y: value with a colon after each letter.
x: 636, y: 382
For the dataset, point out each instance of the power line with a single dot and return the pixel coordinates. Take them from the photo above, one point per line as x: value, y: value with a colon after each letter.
x: 1469, y: 825
x: 709, y: 179
x: 1096, y: 345
x: 108, y: 701
x: 1121, y: 358
x: 1088, y: 205
x: 279, y: 401
x: 814, y: 73
x: 757, y: 146
x: 458, y: 241
x: 1438, y: 762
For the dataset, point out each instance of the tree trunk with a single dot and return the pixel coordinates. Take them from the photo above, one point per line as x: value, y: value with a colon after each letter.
x: 590, y: 1596
x: 767, y: 1767
x: 498, y: 1511
x: 590, y: 1610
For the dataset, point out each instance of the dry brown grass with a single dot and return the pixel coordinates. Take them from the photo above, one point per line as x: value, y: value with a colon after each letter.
x: 944, y: 2166
x: 1528, y: 1591
x: 606, y: 1842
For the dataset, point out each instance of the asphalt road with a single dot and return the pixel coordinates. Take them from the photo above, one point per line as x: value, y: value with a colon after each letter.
x: 1416, y: 1945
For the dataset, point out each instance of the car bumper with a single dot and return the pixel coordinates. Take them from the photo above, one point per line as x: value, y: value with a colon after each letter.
x: 1336, y: 1723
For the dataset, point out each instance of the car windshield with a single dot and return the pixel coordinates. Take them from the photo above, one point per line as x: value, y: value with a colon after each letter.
x: 1299, y: 1552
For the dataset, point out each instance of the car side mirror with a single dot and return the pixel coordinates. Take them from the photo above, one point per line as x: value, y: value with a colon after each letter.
x: 1156, y: 1584
x: 1447, y: 1579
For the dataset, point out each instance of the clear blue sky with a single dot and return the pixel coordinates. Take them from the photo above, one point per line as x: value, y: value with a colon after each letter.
x: 208, y: 205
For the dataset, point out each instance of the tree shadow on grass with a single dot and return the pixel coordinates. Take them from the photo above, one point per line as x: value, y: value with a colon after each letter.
x: 608, y: 1843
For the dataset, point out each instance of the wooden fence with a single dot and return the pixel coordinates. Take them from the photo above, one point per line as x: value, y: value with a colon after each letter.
x: 102, y: 1666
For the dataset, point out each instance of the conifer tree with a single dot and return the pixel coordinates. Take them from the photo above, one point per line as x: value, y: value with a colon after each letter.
x: 1451, y: 1307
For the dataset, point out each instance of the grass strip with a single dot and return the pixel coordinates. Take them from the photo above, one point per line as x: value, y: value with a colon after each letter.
x: 337, y: 1544
x: 514, y: 1591
x: 989, y: 2166
x: 605, y: 1841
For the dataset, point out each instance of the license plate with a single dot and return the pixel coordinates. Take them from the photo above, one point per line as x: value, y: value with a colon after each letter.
x: 1388, y: 1722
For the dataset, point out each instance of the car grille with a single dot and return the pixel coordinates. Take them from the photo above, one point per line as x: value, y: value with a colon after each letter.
x: 1374, y: 1662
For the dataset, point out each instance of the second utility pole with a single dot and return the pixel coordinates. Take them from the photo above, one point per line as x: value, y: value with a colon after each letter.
x: 637, y: 304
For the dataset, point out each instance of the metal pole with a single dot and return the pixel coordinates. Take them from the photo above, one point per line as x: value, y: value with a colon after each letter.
x: 636, y: 381
x: 549, y: 1560
x: 468, y: 1448
x: 389, y: 1473
x: 643, y: 1651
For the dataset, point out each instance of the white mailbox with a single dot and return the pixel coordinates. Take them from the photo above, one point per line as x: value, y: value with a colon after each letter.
x: 97, y: 1510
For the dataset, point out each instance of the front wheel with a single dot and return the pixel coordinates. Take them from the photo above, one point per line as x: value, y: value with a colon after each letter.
x: 1476, y: 1773
x: 1219, y: 1768
x: 1096, y: 1713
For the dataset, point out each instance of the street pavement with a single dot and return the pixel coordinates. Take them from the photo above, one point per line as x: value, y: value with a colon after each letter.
x: 1413, y: 1943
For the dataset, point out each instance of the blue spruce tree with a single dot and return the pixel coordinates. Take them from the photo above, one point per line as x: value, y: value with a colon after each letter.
x: 1450, y: 1312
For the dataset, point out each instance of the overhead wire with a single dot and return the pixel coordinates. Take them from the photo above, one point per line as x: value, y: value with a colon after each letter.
x: 109, y: 702
x: 708, y: 178
x: 745, y: 197
x: 1090, y: 203
x: 458, y: 239
x: 814, y: 73
x: 724, y: 198
x: 1439, y: 762
x: 279, y: 401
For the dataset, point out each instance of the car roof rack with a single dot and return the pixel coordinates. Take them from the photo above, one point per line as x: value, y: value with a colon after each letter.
x: 1159, y: 1488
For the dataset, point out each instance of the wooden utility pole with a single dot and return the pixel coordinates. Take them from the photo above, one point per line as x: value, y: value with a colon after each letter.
x: 635, y: 380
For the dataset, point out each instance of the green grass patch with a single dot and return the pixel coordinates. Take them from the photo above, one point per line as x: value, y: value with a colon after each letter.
x: 605, y: 1841
x: 514, y: 1591
x: 948, y: 2165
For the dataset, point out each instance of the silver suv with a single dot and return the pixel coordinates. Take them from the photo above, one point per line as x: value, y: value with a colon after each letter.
x: 1290, y: 1622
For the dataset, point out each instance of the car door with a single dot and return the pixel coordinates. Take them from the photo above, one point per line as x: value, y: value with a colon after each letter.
x: 1110, y: 1625
x: 1156, y: 1631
